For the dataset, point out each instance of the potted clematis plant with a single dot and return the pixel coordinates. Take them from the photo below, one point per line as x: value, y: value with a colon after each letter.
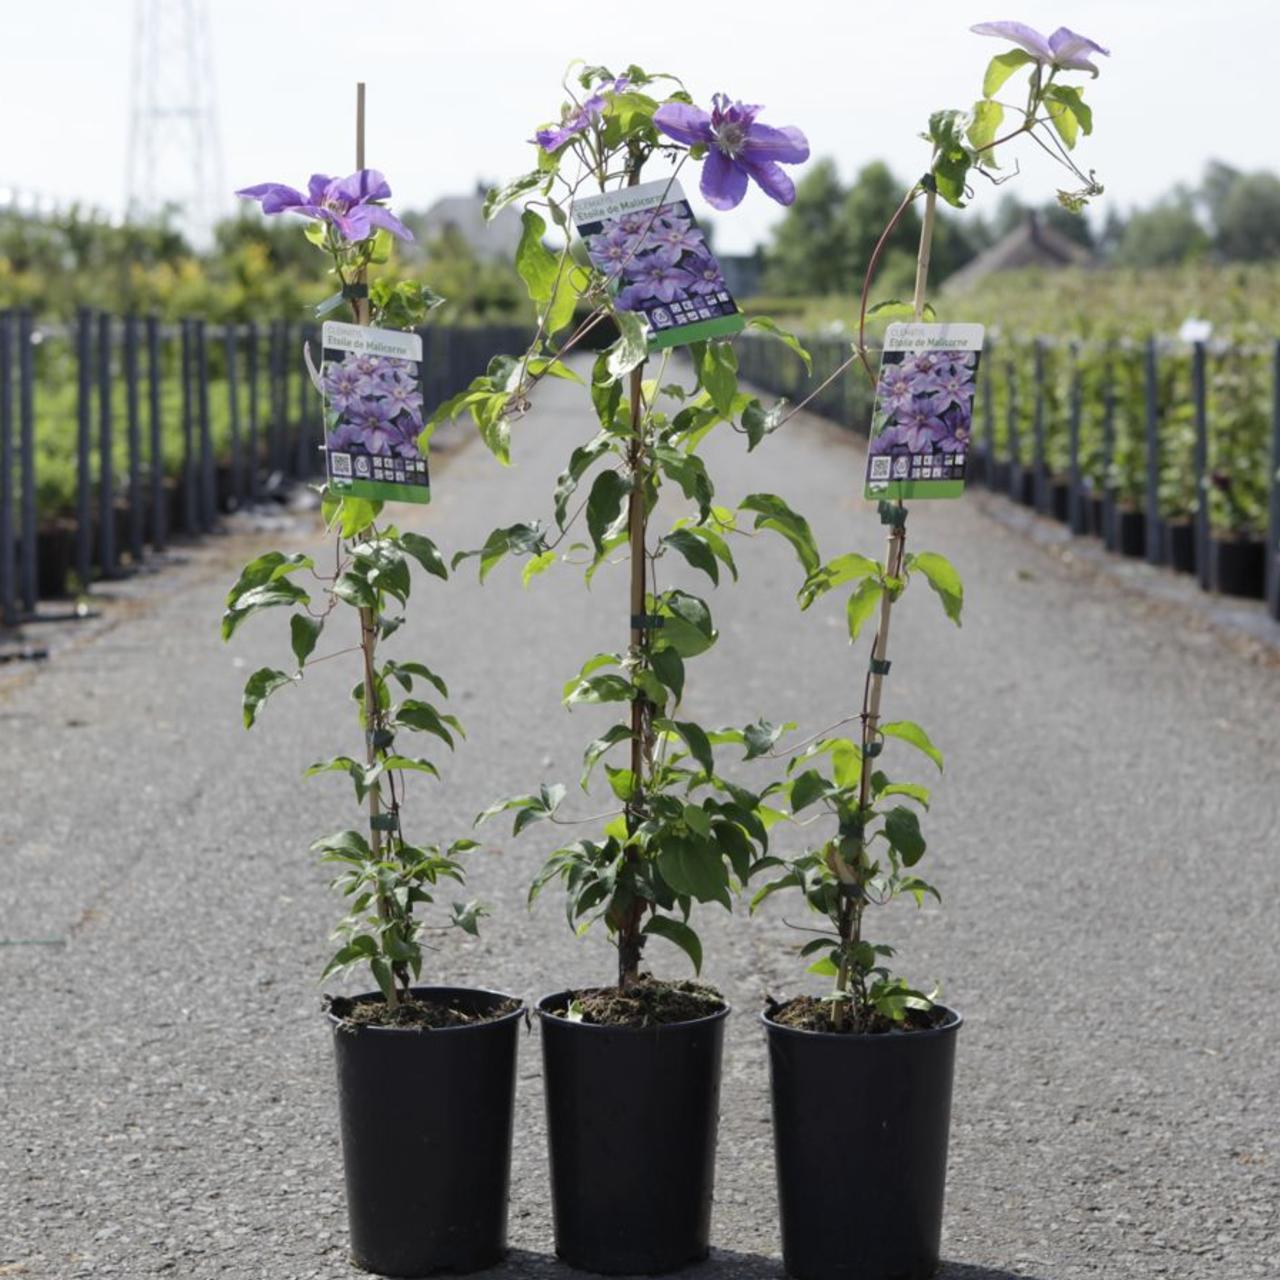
x: 426, y: 1181
x: 862, y: 1077
x: 632, y: 1068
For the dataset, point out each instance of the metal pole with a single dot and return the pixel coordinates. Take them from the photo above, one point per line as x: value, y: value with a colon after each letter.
x: 84, y: 433
x: 1273, y: 531
x: 208, y: 478
x: 251, y: 372
x: 189, y: 491
x: 8, y: 545
x: 106, y: 452
x: 27, y: 448
x: 159, y: 509
x: 136, y: 500
x: 1155, y: 527
x: 1201, y: 464
x: 1041, y: 486
x: 1076, y: 513
x: 233, y: 406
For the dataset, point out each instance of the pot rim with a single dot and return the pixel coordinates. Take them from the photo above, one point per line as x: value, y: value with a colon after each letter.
x: 373, y: 1029
x: 870, y: 1037
x: 544, y: 1013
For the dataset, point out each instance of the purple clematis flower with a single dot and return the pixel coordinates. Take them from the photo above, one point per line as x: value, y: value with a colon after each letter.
x: 374, y: 420
x: 896, y: 387
x: 404, y: 396
x: 675, y: 239
x: 920, y: 428
x: 578, y: 119
x: 738, y: 148
x: 613, y: 249
x: 706, y: 275
x: 889, y: 439
x: 1064, y: 48
x: 347, y: 204
x: 653, y: 277
x: 953, y: 386
x: 345, y: 385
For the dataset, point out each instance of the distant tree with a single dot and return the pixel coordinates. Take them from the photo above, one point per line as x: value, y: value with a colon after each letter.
x: 1167, y: 234
x: 808, y: 249
x: 1247, y: 218
x: 864, y: 213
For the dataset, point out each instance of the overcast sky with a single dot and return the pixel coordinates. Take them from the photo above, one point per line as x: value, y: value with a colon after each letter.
x: 456, y: 87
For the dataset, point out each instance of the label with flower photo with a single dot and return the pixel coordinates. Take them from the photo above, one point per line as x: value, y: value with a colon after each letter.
x: 658, y: 262
x: 373, y: 413
x: 923, y: 415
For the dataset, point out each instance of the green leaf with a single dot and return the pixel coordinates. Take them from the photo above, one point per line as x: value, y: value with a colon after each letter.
x: 758, y: 422
x: 1064, y: 121
x: 355, y: 590
x: 516, y: 539
x: 686, y: 626
x: 1001, y: 67
x: 604, y: 505
x: 987, y: 119
x: 632, y: 347
x: 695, y: 551
x: 601, y: 688
x: 498, y: 198
x: 759, y: 738
x: 579, y: 461
x: 1071, y: 99
x: 835, y: 573
x: 422, y: 717
x: 895, y: 309
x: 862, y: 604
x: 622, y: 782
x: 538, y: 564
x: 425, y: 552
x: 668, y: 666
x: 405, y: 671
x: 910, y: 732
x: 943, y: 578
x: 718, y: 374
x: 694, y: 867
x: 809, y: 787
x: 267, y: 595
x: 902, y: 827
x: 681, y: 934
x: 537, y: 265
x: 259, y: 687
x: 773, y: 513
x: 784, y: 336
x: 304, y: 631
x: 690, y: 473
x: 695, y: 738
x: 595, y: 749
x: 912, y: 789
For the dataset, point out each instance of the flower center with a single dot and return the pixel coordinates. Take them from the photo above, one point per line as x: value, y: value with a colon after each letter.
x: 730, y: 137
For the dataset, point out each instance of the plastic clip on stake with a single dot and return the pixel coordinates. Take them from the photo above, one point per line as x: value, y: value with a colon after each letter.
x: 880, y: 666
x: 647, y: 622
x: 355, y: 290
x: 893, y: 514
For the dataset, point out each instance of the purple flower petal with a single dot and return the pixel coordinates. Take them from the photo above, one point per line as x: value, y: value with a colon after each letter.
x: 1018, y: 33
x: 764, y: 142
x: 381, y: 217
x: 688, y: 124
x: 724, y: 183
x: 770, y: 179
x: 317, y: 187
x: 1072, y: 51
x: 275, y: 196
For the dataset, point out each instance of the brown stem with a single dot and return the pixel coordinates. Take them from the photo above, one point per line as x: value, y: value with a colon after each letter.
x: 630, y: 943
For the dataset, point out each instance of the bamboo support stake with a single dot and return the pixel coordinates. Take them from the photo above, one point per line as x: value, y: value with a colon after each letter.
x: 368, y: 617
x: 851, y: 906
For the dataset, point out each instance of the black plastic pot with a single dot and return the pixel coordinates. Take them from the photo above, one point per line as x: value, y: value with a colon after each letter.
x: 1096, y: 511
x: 426, y: 1138
x: 1238, y: 566
x: 1026, y: 487
x: 1180, y: 546
x: 1131, y: 533
x: 1060, y: 500
x: 1000, y: 476
x: 632, y: 1115
x: 55, y: 553
x: 860, y: 1126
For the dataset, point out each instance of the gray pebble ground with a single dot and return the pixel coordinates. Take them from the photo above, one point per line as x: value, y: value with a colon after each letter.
x: 1107, y: 837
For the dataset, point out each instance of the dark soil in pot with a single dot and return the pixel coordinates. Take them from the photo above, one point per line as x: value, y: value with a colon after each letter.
x: 632, y: 1116
x: 426, y: 1108
x: 1238, y: 567
x: 861, y: 1124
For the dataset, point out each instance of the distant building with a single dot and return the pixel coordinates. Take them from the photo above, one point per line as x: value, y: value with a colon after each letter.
x: 1035, y: 243
x: 464, y: 217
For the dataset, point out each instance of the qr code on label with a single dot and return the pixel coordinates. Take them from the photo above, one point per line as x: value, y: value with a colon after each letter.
x: 880, y: 468
x: 341, y: 463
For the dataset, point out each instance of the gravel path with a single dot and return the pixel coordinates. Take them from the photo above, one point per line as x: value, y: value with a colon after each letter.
x: 1106, y: 837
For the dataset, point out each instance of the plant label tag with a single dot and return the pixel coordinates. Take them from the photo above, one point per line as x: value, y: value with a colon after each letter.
x: 923, y: 415
x: 372, y: 384
x: 658, y: 263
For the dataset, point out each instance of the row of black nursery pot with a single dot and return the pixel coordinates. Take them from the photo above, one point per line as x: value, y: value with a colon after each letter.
x: 860, y: 1125
x: 1236, y: 566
